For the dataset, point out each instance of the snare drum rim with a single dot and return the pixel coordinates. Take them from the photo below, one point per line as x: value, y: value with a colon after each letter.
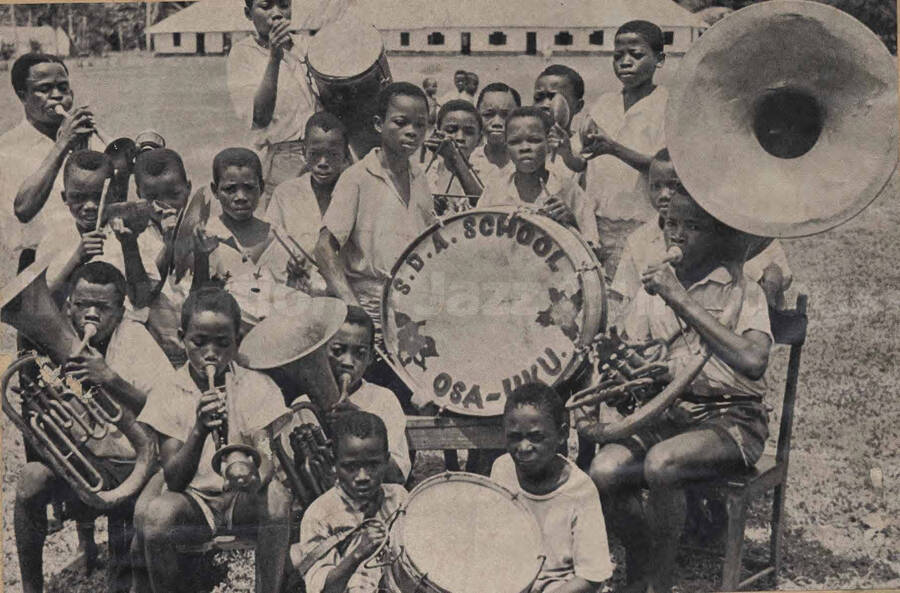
x: 590, y: 280
x: 396, y: 533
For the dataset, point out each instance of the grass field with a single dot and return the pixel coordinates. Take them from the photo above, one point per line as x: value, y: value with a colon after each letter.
x: 842, y: 530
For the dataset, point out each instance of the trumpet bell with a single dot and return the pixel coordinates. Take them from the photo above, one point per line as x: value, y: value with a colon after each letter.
x: 782, y: 118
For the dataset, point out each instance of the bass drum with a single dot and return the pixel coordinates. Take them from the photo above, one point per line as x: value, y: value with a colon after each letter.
x: 488, y: 300
x: 462, y: 533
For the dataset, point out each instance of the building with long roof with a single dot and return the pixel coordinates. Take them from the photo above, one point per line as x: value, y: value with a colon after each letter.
x: 444, y: 28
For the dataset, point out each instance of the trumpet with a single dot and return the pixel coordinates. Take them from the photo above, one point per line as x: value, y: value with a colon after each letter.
x: 220, y: 433
x: 236, y: 463
x: 103, y: 137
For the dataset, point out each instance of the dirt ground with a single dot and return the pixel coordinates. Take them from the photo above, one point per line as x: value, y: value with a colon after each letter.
x: 842, y: 526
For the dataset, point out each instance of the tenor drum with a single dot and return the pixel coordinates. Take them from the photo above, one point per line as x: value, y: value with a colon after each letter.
x: 462, y: 533
x: 347, y: 63
x: 488, y: 300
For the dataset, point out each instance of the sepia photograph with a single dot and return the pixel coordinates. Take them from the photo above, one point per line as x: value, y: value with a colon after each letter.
x: 410, y: 296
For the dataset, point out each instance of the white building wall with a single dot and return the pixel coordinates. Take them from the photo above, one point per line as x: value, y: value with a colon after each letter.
x: 516, y: 40
x: 214, y: 43
x: 165, y: 43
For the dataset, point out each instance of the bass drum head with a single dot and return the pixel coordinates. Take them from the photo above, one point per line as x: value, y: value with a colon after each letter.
x: 489, y: 301
x: 466, y: 534
x: 344, y: 49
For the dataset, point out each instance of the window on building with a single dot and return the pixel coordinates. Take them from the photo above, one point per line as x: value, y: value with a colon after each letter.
x: 497, y: 38
x: 404, y: 38
x: 669, y: 37
x: 176, y: 39
x: 596, y: 38
x: 312, y: 32
x: 562, y: 38
x: 436, y: 38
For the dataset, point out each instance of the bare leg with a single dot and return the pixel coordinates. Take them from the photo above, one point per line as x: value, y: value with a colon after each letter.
x: 140, y: 582
x: 272, y: 512
x: 618, y: 474
x: 170, y: 520
x: 669, y: 465
x: 33, y: 492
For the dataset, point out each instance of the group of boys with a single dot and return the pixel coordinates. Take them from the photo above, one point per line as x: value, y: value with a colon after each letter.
x: 605, y: 174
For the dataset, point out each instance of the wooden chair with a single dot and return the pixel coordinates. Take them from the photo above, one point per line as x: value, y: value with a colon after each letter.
x: 770, y: 472
x: 430, y: 433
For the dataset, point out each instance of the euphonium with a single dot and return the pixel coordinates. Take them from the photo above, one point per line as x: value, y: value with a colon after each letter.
x: 58, y: 416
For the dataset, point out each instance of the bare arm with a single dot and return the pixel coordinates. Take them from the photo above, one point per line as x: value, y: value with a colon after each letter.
x: 748, y: 354
x: 35, y: 190
x: 180, y: 460
x: 140, y: 288
x: 327, y: 255
x: 267, y: 94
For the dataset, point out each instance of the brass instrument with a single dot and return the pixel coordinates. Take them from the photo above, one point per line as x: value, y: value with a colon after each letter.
x: 103, y: 137
x: 291, y: 349
x: 236, y: 463
x: 57, y: 415
x: 788, y: 96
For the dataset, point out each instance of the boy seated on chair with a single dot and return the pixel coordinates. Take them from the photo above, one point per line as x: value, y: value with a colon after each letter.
x: 530, y: 182
x: 769, y: 268
x: 188, y: 415
x: 719, y: 424
x: 345, y: 526
x: 561, y: 496
x: 350, y: 352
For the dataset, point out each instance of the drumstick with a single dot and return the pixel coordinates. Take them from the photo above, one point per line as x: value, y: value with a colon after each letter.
x: 102, y: 204
x: 291, y: 253
x: 411, y: 385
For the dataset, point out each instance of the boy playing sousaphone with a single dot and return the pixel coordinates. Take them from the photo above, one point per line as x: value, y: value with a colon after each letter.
x: 701, y: 302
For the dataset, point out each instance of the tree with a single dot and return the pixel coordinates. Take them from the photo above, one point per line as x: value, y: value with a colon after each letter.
x: 879, y: 15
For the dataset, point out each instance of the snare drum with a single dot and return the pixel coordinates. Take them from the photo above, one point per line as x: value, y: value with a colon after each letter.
x: 348, y: 66
x: 463, y: 533
x: 488, y: 300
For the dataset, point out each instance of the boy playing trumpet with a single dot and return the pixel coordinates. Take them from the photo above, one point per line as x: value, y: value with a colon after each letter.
x: 198, y: 503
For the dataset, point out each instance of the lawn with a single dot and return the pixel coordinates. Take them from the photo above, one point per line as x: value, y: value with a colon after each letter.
x: 842, y: 527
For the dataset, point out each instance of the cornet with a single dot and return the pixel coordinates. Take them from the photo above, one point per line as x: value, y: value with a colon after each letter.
x: 236, y: 463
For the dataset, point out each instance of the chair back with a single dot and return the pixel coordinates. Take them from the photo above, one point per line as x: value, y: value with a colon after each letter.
x: 789, y: 327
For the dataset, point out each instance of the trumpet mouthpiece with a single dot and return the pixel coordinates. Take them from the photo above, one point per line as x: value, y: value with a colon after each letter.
x: 673, y: 255
x: 60, y: 110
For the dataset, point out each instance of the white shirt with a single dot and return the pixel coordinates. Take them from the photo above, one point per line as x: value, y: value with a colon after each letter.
x: 22, y: 150
x: 647, y: 245
x: 294, y: 208
x: 650, y: 318
x: 382, y: 402
x: 334, y: 514
x: 572, y: 527
x: 294, y: 103
x: 253, y: 401
x: 619, y: 191
x: 501, y: 190
x: 372, y: 223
